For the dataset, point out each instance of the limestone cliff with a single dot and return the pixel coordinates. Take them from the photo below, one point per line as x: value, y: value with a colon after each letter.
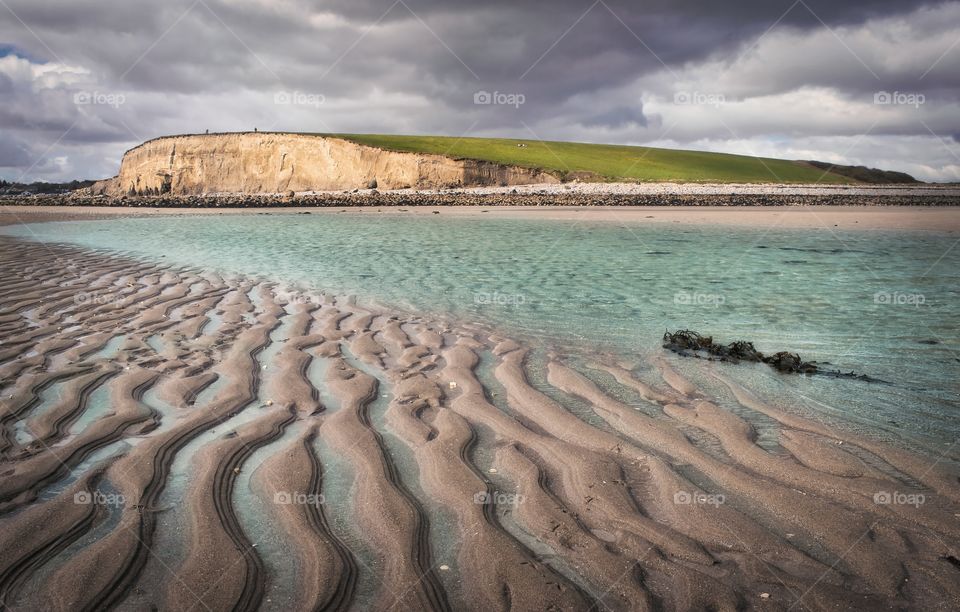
x: 259, y: 162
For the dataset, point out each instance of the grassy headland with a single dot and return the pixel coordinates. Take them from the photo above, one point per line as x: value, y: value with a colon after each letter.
x: 609, y: 162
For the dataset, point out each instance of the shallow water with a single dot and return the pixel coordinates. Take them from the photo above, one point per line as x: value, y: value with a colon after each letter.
x: 862, y: 301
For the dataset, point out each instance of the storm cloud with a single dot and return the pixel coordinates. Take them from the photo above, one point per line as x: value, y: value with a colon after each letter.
x: 874, y: 83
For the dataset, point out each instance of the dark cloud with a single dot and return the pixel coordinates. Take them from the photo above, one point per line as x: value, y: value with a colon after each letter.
x: 6, y: 49
x: 732, y: 12
x: 598, y: 71
x: 13, y: 153
x: 617, y: 118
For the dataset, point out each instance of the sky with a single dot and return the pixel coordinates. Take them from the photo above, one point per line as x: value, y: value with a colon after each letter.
x: 854, y: 82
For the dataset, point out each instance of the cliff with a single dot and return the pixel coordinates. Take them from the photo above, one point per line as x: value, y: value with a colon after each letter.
x: 252, y: 162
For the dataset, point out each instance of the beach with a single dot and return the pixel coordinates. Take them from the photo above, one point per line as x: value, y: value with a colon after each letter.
x: 922, y: 218
x: 179, y: 437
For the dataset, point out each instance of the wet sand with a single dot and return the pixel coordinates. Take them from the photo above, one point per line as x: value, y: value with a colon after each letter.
x: 901, y: 218
x: 400, y: 474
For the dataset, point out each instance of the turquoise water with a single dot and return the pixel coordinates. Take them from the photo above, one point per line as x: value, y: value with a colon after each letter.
x: 867, y: 301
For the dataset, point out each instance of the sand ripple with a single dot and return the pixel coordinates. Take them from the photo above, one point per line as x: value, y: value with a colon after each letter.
x: 316, y: 454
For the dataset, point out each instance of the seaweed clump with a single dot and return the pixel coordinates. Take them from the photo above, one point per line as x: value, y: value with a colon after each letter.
x: 692, y: 344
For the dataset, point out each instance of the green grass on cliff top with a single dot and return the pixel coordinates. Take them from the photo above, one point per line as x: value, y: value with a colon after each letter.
x: 608, y: 162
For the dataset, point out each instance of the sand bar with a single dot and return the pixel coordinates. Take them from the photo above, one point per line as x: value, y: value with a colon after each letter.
x: 921, y: 218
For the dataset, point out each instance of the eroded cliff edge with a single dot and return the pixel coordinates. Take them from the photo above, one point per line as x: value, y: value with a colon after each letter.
x: 266, y: 162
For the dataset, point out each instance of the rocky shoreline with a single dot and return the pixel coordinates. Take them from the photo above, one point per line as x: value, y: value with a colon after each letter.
x: 828, y: 197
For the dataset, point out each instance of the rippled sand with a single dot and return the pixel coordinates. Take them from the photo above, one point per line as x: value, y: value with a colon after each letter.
x: 177, y: 439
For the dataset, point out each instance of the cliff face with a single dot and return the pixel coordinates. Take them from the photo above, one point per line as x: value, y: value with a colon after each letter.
x: 278, y: 163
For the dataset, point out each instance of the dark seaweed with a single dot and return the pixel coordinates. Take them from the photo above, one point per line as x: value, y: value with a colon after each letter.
x: 692, y: 344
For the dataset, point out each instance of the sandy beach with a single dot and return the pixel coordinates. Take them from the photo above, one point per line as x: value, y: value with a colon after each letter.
x: 669, y: 503
x: 920, y: 218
